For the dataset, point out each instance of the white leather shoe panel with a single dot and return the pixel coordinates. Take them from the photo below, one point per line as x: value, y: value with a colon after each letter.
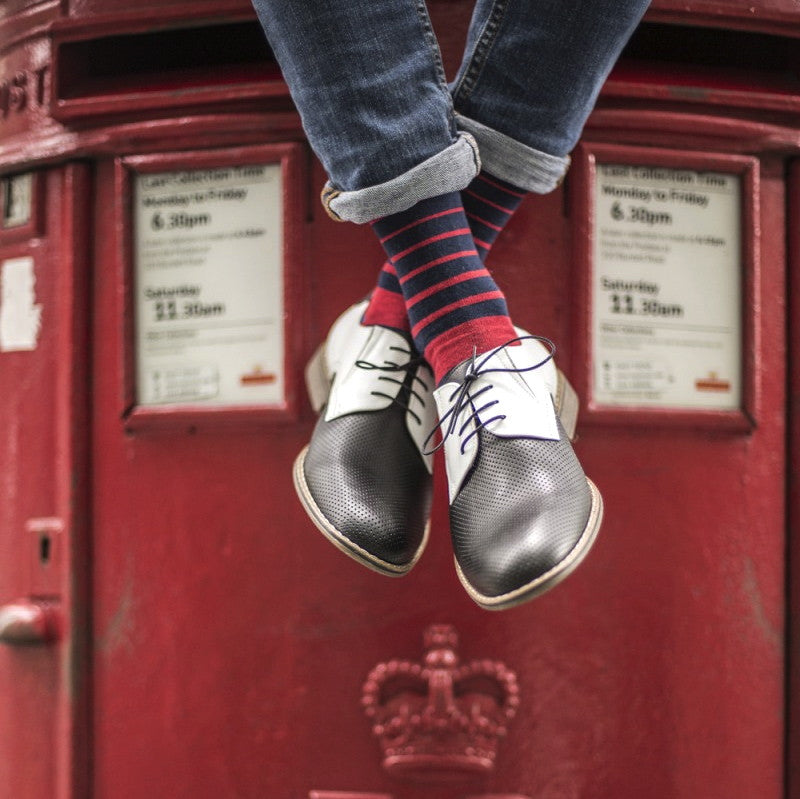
x: 346, y: 337
x: 535, y: 351
x: 421, y: 418
x: 356, y: 389
x: 524, y: 401
x: 509, y: 403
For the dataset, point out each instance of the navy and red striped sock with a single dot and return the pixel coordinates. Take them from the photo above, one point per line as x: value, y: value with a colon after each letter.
x: 452, y: 302
x: 489, y: 204
x: 386, y: 305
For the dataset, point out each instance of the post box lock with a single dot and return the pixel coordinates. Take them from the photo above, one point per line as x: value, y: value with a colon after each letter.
x: 45, y: 556
x: 27, y: 622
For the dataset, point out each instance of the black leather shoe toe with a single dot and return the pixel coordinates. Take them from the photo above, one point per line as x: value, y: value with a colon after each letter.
x: 363, y: 478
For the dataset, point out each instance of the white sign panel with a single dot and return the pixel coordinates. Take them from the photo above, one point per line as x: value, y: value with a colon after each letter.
x: 20, y: 314
x: 666, y: 295
x: 17, y: 200
x: 209, y: 286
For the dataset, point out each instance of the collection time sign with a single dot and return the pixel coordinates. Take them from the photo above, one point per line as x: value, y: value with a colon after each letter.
x: 666, y: 291
x: 208, y: 271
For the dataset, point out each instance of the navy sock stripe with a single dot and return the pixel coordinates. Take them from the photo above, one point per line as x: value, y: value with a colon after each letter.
x: 389, y: 282
x: 420, y: 280
x: 394, y: 223
x: 479, y: 209
x: 483, y: 234
x: 422, y: 306
x: 405, y: 246
x: 448, y: 321
x: 496, y: 187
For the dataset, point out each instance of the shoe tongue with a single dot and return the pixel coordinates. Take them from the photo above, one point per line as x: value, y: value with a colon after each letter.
x: 457, y: 373
x: 491, y: 359
x: 404, y: 334
x: 498, y: 359
x: 406, y: 338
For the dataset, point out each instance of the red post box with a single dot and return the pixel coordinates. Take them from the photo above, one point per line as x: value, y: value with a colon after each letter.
x: 170, y: 622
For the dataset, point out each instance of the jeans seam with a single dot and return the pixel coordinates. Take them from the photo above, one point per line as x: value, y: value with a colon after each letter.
x: 436, y: 53
x: 468, y: 81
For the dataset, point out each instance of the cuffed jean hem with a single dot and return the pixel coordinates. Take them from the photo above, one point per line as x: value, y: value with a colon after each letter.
x: 452, y: 169
x: 513, y: 161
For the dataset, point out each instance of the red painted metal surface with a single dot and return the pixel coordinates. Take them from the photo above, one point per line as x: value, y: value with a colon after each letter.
x: 228, y: 643
x: 668, y: 637
x: 793, y: 481
x: 43, y: 523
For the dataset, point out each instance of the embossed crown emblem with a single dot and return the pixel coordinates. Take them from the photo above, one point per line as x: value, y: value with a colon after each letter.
x: 440, y: 719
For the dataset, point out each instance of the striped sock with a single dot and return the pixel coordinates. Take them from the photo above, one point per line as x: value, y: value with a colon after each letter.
x: 489, y: 204
x: 452, y: 302
x: 386, y: 304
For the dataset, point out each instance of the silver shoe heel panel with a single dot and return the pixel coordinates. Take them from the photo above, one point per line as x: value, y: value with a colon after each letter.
x: 567, y: 404
x: 318, y: 381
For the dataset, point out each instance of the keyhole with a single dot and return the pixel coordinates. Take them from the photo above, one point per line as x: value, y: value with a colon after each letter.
x: 44, y: 549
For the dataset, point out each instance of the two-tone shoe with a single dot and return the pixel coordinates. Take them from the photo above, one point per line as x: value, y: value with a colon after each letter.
x: 364, y: 479
x: 523, y: 514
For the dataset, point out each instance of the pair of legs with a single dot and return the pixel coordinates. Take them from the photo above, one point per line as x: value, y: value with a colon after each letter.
x: 438, y: 169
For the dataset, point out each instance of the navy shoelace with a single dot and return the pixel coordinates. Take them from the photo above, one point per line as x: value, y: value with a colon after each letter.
x: 400, y: 397
x: 463, y: 399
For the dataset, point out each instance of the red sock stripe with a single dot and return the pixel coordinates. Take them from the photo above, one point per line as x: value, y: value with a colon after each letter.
x: 419, y: 222
x: 486, y: 222
x: 480, y: 197
x: 452, y: 281
x: 431, y: 240
x: 453, y: 256
x: 462, y: 303
x: 386, y: 308
x: 480, y: 335
x: 484, y: 179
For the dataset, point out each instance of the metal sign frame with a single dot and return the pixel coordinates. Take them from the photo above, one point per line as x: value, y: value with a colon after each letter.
x: 190, y: 413
x: 587, y: 158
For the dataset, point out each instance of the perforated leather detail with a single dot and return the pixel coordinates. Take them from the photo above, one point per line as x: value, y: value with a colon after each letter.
x: 370, y: 482
x: 522, y: 509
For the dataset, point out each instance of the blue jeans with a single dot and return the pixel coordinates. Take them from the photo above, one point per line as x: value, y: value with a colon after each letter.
x: 367, y: 79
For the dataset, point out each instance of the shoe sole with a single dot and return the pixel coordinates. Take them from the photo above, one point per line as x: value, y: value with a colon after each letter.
x: 318, y: 385
x: 341, y: 541
x: 551, y: 578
